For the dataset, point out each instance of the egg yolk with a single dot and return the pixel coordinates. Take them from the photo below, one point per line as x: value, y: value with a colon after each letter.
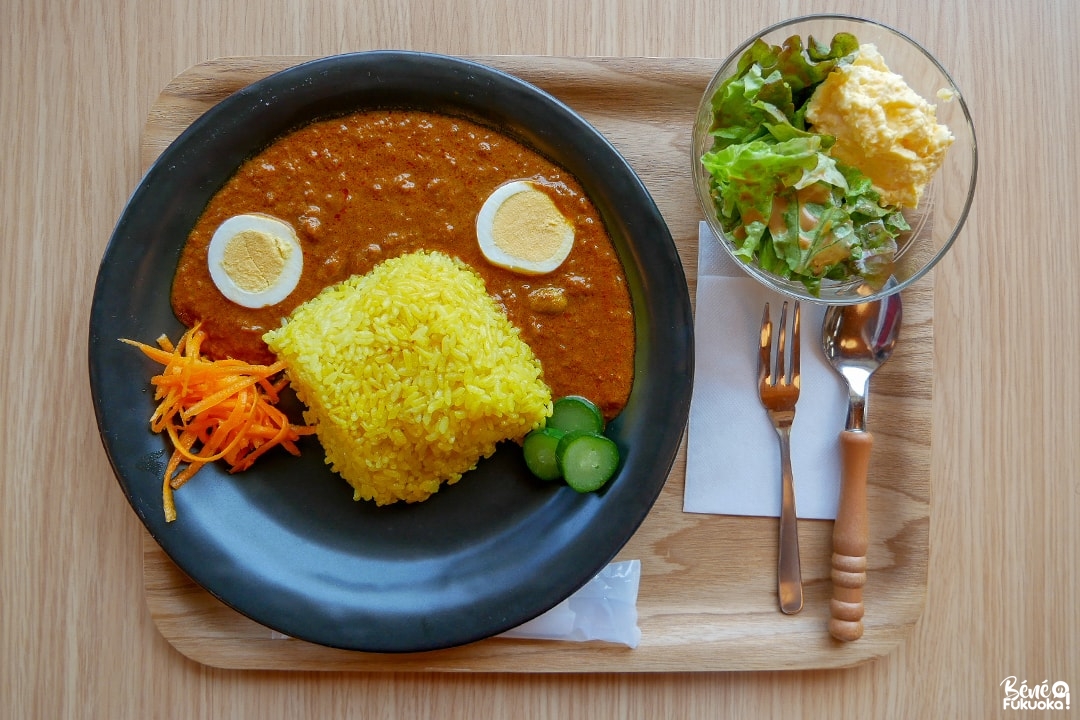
x: 528, y: 226
x: 254, y: 260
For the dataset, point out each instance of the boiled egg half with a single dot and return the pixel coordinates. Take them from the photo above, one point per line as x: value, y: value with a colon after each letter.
x: 255, y: 260
x: 520, y: 228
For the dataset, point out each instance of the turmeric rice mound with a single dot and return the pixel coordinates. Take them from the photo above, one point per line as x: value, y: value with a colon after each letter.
x: 411, y: 374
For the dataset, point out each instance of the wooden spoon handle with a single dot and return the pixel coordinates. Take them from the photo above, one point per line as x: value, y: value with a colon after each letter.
x: 850, y: 538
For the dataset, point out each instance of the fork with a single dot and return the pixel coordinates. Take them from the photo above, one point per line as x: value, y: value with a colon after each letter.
x: 779, y: 391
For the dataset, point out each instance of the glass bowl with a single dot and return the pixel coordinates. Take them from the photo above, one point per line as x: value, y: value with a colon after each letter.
x: 946, y: 200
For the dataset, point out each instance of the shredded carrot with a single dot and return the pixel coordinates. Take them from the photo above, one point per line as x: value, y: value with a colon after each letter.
x: 214, y: 410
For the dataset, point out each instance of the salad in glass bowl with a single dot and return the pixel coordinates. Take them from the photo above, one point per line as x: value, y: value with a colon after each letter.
x: 818, y: 156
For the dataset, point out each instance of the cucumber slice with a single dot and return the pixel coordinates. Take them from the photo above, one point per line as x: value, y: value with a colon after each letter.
x: 587, y: 460
x: 539, y: 449
x: 575, y: 413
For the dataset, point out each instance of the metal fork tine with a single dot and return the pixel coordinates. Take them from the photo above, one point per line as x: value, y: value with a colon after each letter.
x: 781, y: 375
x: 795, y: 345
x: 765, y: 366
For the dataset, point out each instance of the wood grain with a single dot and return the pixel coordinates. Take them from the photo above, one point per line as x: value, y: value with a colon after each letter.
x: 708, y: 590
x: 77, y: 80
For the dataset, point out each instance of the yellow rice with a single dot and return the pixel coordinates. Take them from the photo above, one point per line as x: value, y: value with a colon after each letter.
x: 410, y: 374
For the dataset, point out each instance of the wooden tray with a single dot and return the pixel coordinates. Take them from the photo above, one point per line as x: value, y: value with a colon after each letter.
x: 708, y: 589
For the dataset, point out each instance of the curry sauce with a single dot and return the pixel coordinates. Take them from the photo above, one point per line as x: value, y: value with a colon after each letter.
x: 374, y: 185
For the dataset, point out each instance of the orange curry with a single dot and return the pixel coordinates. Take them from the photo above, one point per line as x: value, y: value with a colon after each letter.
x: 366, y: 187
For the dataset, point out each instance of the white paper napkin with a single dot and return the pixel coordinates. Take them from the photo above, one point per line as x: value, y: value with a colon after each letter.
x: 733, y: 456
x: 605, y: 608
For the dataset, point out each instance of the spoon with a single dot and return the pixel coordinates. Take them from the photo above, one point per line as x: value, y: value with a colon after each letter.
x: 856, y: 340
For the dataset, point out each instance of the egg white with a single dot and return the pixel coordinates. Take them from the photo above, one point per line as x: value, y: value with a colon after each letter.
x: 496, y: 255
x: 286, y: 280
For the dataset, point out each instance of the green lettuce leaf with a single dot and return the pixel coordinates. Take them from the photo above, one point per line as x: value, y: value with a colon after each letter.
x: 785, y: 202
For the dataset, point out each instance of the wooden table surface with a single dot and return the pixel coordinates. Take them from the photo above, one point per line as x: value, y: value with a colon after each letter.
x: 76, y: 639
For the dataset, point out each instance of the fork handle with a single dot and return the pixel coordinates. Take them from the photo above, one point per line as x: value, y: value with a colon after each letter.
x: 850, y: 537
x: 789, y: 566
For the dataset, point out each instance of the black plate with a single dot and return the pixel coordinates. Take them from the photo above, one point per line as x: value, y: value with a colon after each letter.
x: 284, y: 543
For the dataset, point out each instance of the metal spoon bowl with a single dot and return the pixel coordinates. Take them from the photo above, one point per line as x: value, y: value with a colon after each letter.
x: 856, y: 340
